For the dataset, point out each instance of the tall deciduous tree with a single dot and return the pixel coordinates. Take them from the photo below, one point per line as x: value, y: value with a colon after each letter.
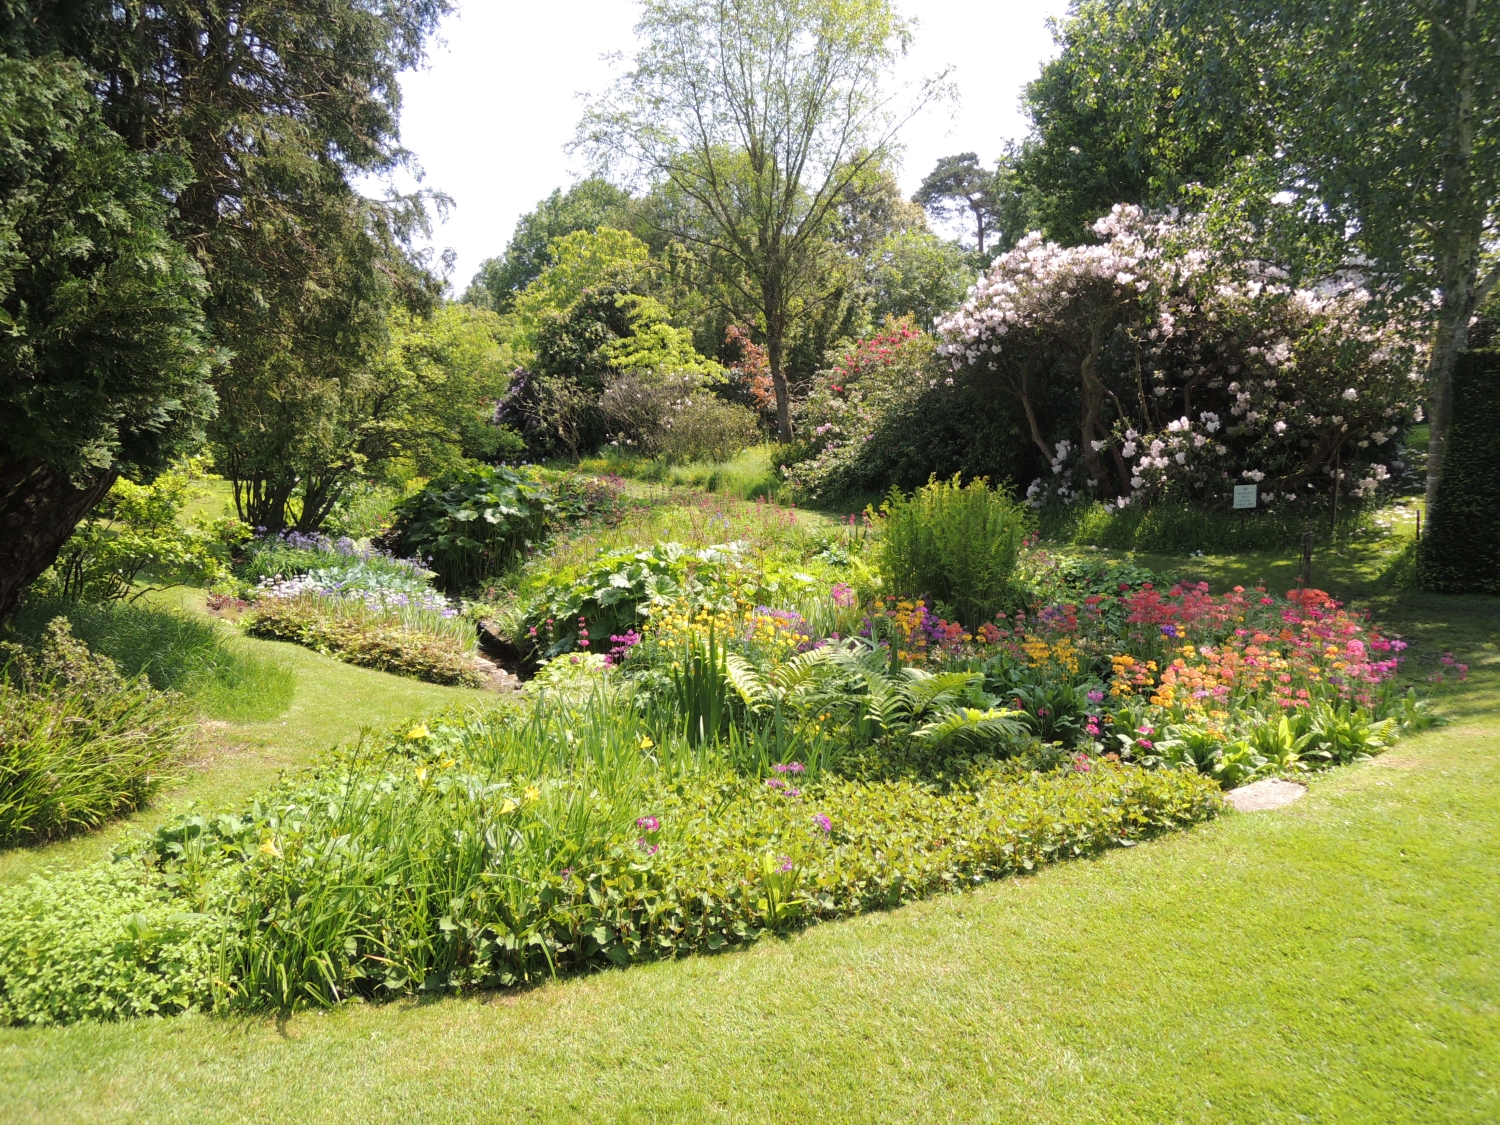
x: 103, y: 369
x: 1376, y: 127
x: 761, y: 113
x: 586, y: 206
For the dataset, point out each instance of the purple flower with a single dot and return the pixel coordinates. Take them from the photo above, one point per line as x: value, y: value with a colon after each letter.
x: 823, y: 822
x: 786, y: 864
x: 649, y: 823
x: 794, y: 792
x: 649, y: 848
x: 1096, y: 697
x: 774, y: 783
x: 1169, y: 631
x: 842, y: 594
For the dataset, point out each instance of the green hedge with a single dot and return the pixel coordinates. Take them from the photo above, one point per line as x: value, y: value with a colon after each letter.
x: 1460, y: 550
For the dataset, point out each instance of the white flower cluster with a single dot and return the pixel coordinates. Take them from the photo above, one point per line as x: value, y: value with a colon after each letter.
x: 1222, y: 372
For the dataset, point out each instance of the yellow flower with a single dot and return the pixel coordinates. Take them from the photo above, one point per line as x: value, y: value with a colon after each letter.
x: 533, y: 793
x: 646, y: 742
x: 422, y: 774
x: 418, y: 732
x: 510, y: 806
x: 268, y: 847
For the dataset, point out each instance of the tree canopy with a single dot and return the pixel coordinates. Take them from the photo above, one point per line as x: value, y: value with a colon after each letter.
x: 759, y: 116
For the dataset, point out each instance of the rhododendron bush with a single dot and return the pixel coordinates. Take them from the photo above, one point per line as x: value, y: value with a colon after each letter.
x: 849, y: 401
x: 1147, y: 366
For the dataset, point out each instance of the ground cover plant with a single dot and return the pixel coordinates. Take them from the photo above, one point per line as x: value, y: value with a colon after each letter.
x: 79, y: 743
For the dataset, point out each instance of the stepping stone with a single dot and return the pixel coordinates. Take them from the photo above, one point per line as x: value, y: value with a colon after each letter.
x: 1273, y: 793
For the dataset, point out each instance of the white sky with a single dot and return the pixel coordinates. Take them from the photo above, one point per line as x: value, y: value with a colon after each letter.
x: 488, y: 117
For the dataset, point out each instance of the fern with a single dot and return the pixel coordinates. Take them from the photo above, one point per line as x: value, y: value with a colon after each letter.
x: 970, y: 724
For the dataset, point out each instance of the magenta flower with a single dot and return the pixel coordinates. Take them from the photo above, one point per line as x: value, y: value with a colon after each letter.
x: 786, y: 864
x: 823, y: 822
x: 649, y: 823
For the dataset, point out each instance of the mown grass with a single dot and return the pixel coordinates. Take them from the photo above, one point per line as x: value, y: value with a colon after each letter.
x: 1336, y: 961
x: 331, y: 704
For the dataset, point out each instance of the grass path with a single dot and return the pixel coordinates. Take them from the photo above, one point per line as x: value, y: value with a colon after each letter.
x: 1337, y: 961
x: 334, y: 702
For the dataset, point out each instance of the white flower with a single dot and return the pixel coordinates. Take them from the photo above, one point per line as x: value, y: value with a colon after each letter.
x: 1182, y: 458
x: 1129, y: 447
x: 1279, y: 427
x: 948, y: 382
x: 1136, y: 482
x: 1350, y: 395
x: 1253, y: 474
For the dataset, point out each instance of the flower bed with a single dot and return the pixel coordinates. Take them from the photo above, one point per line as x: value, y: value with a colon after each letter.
x: 499, y: 852
x: 380, y: 637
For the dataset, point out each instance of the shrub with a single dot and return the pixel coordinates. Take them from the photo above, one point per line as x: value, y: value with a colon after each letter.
x: 79, y: 743
x: 1460, y: 552
x: 474, y: 525
x: 957, y: 544
x: 471, y: 525
x: 175, y: 651
x: 708, y: 429
x: 137, y: 532
x: 439, y: 651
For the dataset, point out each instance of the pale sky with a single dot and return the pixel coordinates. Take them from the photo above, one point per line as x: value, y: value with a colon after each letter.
x: 490, y: 114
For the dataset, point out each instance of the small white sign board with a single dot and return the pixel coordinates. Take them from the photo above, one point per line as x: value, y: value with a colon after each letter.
x: 1244, y: 495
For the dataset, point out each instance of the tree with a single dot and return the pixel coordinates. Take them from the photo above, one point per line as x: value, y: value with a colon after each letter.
x: 1130, y: 113
x: 275, y: 109
x: 103, y: 367
x: 586, y: 206
x: 1357, y: 135
x: 759, y: 114
x: 959, y: 184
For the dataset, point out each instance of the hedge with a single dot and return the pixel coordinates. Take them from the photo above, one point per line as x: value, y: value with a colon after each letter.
x: 1460, y: 551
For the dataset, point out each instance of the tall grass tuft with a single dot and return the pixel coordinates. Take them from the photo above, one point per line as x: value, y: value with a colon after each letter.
x: 175, y: 651
x: 957, y: 544
x: 79, y: 743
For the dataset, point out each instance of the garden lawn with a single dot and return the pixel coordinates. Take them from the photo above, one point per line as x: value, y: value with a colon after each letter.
x: 230, y: 761
x: 1335, y: 961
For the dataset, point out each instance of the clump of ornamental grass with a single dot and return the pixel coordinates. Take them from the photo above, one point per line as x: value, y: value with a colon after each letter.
x: 79, y: 743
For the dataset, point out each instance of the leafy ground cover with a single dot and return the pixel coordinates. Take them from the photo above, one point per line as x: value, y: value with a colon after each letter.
x: 1335, y: 961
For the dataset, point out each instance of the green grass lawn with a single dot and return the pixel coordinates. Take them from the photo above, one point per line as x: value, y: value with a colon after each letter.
x: 1336, y: 961
x: 333, y: 703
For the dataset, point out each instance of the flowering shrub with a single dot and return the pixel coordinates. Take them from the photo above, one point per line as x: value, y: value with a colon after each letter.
x: 849, y: 401
x: 1193, y: 373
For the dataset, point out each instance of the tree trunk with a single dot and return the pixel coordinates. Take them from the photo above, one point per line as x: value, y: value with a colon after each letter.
x: 775, y: 345
x: 1458, y: 240
x: 39, y: 508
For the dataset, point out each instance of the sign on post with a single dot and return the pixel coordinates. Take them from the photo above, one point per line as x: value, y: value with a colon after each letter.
x: 1244, y: 495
